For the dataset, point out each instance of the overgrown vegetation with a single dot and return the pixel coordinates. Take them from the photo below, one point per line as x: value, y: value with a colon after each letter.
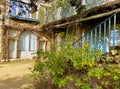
x: 68, y: 67
x: 57, y: 9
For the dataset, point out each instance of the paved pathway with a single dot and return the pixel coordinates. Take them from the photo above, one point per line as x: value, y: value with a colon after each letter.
x: 16, y: 75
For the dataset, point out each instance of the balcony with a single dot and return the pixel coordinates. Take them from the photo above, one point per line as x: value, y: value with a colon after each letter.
x: 20, y: 10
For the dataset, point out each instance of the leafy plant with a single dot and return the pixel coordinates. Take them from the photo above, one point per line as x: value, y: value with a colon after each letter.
x: 66, y: 66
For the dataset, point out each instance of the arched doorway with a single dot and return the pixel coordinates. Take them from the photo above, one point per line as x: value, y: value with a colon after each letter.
x: 27, y: 45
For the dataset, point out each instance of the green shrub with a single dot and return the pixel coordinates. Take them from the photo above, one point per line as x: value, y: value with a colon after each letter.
x: 67, y: 67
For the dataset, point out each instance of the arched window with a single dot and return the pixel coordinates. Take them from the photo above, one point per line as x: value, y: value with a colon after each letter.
x: 27, y: 42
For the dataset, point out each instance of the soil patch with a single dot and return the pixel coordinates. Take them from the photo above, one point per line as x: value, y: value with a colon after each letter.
x: 16, y: 75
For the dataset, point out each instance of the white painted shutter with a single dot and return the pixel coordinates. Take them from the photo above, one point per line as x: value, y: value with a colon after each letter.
x: 24, y: 42
x: 32, y: 42
x: 21, y: 43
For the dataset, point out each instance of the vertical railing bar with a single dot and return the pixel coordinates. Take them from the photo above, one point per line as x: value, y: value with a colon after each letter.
x: 87, y: 38
x: 91, y: 39
x: 95, y: 39
x: 83, y: 39
x: 99, y: 35
x: 114, y: 29
x: 109, y: 34
x: 80, y: 43
x: 74, y: 44
x: 104, y: 37
x: 117, y: 38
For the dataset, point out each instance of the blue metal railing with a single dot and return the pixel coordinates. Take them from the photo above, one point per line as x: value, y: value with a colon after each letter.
x: 102, y: 36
